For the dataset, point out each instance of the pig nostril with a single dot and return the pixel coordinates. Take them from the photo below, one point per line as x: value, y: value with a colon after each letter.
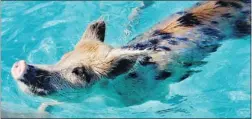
x: 16, y: 65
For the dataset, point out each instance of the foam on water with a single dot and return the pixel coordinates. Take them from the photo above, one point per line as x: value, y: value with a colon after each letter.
x: 41, y: 32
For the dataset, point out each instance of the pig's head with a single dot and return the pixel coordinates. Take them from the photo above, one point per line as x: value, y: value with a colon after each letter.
x: 90, y: 60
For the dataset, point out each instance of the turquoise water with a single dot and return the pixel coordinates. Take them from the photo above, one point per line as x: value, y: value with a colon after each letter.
x: 41, y: 32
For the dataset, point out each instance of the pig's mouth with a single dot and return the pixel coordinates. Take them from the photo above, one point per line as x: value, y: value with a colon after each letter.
x: 31, y: 79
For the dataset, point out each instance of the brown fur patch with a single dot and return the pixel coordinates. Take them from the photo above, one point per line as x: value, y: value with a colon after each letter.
x: 203, y: 14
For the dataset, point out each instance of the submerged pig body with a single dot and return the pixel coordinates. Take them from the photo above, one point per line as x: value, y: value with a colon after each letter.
x: 170, y: 48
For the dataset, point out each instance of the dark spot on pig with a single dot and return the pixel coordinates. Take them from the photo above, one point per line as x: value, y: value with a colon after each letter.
x: 214, y: 22
x: 246, y: 12
x: 189, y: 20
x: 242, y: 28
x: 222, y: 3
x: 163, y: 48
x: 204, y: 42
x: 125, y: 47
x: 140, y: 46
x: 166, y: 36
x: 235, y: 5
x: 212, y: 48
x: 226, y: 15
x: 172, y: 42
x: 212, y: 32
x: 163, y: 75
x: 143, y: 45
x: 158, y: 32
x: 163, y: 35
x: 154, y: 41
x: 150, y: 48
x: 246, y: 1
x: 185, y: 76
x: 183, y: 39
x: 187, y: 64
x: 228, y: 4
x: 146, y: 61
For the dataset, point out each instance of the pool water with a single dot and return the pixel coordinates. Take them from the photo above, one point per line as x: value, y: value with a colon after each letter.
x: 41, y: 32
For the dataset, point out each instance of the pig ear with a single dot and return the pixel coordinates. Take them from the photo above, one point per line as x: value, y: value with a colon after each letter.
x: 121, y: 65
x: 123, y: 60
x: 94, y: 31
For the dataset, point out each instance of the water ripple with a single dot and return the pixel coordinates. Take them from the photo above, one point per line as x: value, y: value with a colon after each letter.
x: 37, y: 7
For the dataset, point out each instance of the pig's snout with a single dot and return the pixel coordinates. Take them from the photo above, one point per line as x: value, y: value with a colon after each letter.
x: 35, y: 78
x: 27, y: 74
x: 18, y: 70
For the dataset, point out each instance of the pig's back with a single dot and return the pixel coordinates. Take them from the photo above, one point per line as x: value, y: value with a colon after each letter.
x: 196, y: 32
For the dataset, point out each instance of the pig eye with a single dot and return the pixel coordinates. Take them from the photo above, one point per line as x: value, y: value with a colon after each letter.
x: 80, y: 71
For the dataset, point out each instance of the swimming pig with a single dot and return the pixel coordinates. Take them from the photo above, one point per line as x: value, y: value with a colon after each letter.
x: 172, y: 47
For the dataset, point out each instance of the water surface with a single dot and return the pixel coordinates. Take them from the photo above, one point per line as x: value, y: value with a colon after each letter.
x: 41, y: 32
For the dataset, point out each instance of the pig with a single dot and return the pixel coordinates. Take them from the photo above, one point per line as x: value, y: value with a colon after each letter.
x: 172, y: 48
